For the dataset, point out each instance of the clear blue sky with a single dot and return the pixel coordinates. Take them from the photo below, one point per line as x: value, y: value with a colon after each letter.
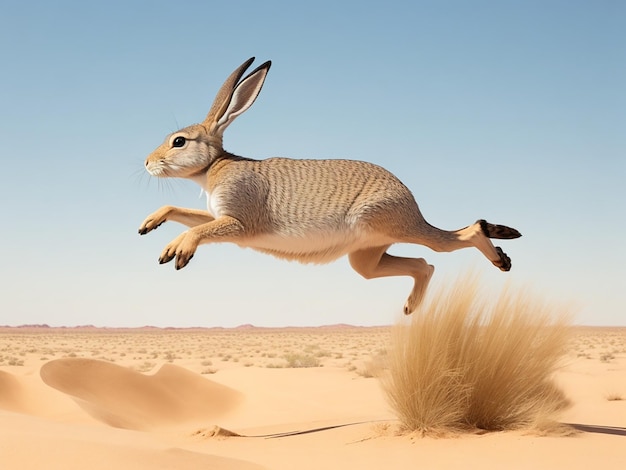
x: 505, y: 110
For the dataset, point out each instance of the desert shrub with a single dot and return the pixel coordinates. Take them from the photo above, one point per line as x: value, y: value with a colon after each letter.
x: 375, y: 366
x: 466, y: 362
x: 301, y: 360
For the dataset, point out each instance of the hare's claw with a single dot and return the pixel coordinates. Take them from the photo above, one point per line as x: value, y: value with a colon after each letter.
x: 166, y: 258
x: 182, y: 248
x: 181, y: 262
x: 152, y: 222
x: 148, y: 226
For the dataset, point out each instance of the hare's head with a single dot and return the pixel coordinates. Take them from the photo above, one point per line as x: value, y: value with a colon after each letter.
x: 192, y: 150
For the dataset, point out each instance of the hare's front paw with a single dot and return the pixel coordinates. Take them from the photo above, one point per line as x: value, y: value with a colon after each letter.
x: 154, y: 220
x: 182, y: 248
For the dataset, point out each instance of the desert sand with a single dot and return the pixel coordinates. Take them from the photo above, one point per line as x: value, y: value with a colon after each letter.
x: 253, y: 398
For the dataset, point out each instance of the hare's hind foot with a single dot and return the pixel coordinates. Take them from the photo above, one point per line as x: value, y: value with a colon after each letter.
x: 505, y: 262
x: 419, y: 289
x: 498, y: 231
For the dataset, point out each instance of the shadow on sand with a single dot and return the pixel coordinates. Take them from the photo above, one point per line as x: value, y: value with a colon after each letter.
x: 613, y: 430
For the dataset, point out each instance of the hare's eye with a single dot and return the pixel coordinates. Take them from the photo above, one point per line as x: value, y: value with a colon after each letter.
x: 179, y: 141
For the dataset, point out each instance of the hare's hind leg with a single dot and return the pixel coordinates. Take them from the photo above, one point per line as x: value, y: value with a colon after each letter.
x: 477, y: 235
x: 375, y: 262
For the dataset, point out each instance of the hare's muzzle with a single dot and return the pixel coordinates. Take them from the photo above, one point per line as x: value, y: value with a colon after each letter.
x: 155, y: 168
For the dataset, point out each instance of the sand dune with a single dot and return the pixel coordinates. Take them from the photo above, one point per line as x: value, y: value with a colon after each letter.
x: 75, y: 399
x: 124, y: 398
x: 11, y: 393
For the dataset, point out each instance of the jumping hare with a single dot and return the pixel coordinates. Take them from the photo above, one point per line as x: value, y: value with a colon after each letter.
x: 312, y: 211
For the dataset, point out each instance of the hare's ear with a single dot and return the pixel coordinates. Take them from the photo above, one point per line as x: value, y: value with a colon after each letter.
x: 235, y: 96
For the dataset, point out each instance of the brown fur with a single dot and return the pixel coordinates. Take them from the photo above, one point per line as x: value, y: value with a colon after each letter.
x: 312, y: 211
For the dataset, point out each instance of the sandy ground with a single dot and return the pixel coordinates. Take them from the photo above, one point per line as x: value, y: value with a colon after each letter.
x: 148, y: 398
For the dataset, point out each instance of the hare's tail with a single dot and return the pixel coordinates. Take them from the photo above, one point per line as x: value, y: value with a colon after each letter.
x: 498, y: 231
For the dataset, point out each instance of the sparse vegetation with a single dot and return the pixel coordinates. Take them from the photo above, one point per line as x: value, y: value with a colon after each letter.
x: 375, y: 366
x: 301, y: 360
x: 14, y: 361
x: 606, y: 357
x: 464, y: 363
x: 170, y: 356
x: 145, y: 367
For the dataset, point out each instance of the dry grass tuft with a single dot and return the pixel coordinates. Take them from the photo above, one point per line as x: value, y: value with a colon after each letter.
x: 466, y: 362
x: 614, y: 396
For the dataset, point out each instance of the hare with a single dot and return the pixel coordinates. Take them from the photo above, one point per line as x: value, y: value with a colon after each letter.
x: 311, y: 211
